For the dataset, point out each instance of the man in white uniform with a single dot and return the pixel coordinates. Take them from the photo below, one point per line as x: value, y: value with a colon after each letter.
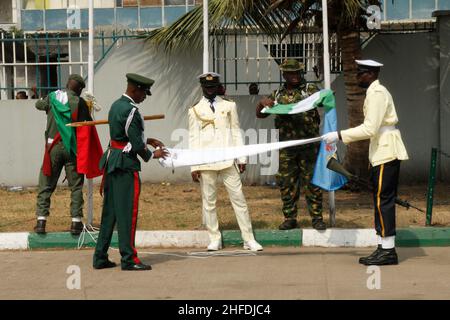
x: 386, y: 150
x: 214, y: 123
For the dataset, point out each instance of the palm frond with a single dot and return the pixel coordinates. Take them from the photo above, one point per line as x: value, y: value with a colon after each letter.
x: 276, y: 18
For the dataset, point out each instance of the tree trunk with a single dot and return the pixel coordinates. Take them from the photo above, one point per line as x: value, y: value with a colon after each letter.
x: 356, y: 158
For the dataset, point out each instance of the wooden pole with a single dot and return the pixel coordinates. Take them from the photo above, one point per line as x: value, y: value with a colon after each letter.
x: 98, y: 122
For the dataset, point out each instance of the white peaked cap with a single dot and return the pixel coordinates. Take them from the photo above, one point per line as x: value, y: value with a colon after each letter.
x: 369, y: 63
x: 203, y: 75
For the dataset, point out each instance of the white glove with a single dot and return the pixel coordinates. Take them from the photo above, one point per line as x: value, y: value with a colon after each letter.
x: 330, y: 137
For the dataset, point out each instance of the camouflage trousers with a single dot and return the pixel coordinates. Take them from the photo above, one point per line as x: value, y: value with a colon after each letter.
x: 296, y: 168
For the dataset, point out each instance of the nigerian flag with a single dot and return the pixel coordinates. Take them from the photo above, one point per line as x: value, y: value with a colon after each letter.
x: 323, y: 177
x: 63, y: 115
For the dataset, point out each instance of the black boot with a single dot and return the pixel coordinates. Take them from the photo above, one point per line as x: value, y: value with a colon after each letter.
x: 383, y: 258
x: 40, y: 226
x: 290, y: 223
x: 363, y: 260
x: 105, y: 265
x: 137, y: 267
x: 76, y: 228
x: 318, y: 224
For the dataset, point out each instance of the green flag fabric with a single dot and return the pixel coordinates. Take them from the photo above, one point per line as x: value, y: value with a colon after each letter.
x: 63, y: 115
x: 323, y: 98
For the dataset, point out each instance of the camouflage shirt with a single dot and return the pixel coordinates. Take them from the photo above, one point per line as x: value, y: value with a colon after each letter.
x: 296, y: 126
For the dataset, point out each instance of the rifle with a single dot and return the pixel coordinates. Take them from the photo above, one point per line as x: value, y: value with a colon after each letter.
x: 335, y: 166
x: 98, y: 122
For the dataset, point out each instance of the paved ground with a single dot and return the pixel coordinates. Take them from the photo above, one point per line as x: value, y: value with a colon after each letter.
x: 276, y: 273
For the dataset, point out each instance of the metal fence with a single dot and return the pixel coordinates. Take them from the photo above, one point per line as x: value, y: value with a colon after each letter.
x: 243, y: 58
x: 37, y: 63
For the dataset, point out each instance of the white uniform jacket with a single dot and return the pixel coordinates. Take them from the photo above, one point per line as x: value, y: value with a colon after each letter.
x: 219, y: 129
x: 380, y: 119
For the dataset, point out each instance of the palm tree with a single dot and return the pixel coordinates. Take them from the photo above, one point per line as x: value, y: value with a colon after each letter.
x: 278, y: 18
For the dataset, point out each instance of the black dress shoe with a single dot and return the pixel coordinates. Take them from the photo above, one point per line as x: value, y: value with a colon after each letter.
x: 383, y: 258
x: 40, y: 226
x: 362, y: 260
x: 318, y: 224
x: 76, y: 228
x: 137, y: 267
x: 106, y: 265
x: 288, y: 224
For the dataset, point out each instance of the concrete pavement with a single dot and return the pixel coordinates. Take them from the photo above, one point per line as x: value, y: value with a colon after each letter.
x: 276, y: 273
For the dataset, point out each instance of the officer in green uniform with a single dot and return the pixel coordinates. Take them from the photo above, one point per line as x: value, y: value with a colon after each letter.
x: 296, y: 164
x: 121, y: 167
x: 57, y: 156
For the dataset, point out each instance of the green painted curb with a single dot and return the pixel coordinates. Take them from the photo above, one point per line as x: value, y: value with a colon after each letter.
x: 62, y: 240
x: 288, y: 238
x: 423, y: 237
x: 408, y: 237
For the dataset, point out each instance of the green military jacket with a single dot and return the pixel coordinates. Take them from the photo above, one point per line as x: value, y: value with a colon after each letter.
x: 296, y: 126
x: 125, y: 125
x: 76, y: 104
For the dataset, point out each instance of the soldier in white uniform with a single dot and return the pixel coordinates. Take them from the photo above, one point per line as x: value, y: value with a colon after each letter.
x: 214, y: 123
x: 386, y: 150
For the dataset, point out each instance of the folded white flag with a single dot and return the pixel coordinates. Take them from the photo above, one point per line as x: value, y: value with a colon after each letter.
x: 188, y: 157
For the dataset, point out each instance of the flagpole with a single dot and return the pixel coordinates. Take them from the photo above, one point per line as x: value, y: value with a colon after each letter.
x: 205, y: 57
x: 327, y: 83
x: 205, y: 36
x: 90, y: 184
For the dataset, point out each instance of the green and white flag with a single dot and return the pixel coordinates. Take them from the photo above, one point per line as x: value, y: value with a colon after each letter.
x: 323, y: 98
x: 63, y: 115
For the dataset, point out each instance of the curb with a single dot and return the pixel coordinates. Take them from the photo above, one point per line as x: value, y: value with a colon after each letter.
x: 14, y: 240
x: 408, y: 237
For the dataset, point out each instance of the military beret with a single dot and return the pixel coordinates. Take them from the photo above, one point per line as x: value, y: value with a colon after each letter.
x: 140, y: 81
x: 209, y: 79
x: 291, y: 65
x: 78, y: 79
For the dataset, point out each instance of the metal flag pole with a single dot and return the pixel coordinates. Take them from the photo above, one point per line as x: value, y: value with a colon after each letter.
x: 327, y: 83
x: 205, y: 36
x: 90, y: 184
x: 205, y: 56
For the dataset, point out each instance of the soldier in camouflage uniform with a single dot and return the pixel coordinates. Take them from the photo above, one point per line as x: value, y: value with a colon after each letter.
x: 296, y: 164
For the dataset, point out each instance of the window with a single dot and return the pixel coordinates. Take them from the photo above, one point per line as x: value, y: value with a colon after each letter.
x: 54, y: 4
x: 130, y: 3
x: 103, y: 4
x: 85, y: 3
x: 127, y: 18
x: 173, y: 13
x: 150, y: 3
x: 175, y: 2
x: 398, y: 9
x: 422, y: 9
x: 6, y: 13
x: 151, y: 17
x: 444, y: 4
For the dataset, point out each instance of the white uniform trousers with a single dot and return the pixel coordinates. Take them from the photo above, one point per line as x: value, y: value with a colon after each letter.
x: 233, y: 184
